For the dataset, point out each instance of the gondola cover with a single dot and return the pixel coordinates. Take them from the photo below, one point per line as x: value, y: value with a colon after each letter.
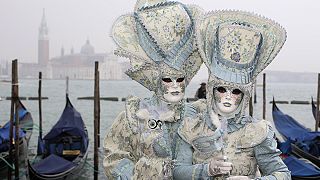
x: 70, y: 122
x: 49, y: 165
x: 68, y: 135
x: 5, y: 132
x: 291, y: 129
x: 298, y: 167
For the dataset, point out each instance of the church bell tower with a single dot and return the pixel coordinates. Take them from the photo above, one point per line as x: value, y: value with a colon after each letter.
x: 43, y: 42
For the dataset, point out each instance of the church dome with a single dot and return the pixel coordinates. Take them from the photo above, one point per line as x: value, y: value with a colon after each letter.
x: 87, y: 48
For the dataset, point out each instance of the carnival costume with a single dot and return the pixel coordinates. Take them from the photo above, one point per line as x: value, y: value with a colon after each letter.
x: 235, y: 46
x: 159, y: 41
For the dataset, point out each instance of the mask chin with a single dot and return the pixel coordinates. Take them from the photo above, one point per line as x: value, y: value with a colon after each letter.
x: 168, y: 97
x: 227, y: 113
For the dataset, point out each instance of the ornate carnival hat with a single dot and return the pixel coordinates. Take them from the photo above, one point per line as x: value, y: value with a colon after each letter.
x: 158, y: 38
x: 236, y: 46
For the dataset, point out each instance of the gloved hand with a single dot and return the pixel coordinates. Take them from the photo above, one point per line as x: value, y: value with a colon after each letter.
x: 238, y: 178
x: 218, y: 166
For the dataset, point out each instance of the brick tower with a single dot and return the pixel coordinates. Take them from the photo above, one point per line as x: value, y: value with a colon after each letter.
x: 43, y: 42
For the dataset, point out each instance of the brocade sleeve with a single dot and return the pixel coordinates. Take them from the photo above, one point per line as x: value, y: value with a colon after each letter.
x: 120, y: 150
x: 184, y: 170
x: 271, y: 165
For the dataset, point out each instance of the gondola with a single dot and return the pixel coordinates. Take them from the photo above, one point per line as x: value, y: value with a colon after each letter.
x: 301, y: 169
x: 63, y: 151
x: 305, y: 143
x: 26, y: 127
x: 26, y: 120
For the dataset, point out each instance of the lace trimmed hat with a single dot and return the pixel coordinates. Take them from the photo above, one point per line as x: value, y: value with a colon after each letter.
x: 236, y: 46
x: 159, y: 37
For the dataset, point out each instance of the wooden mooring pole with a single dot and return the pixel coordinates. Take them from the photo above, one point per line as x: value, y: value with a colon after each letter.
x: 67, y: 86
x: 98, y: 87
x: 14, y: 120
x: 40, y: 106
x: 264, y: 97
x: 96, y: 120
x: 13, y: 102
x: 17, y: 123
x: 318, y: 103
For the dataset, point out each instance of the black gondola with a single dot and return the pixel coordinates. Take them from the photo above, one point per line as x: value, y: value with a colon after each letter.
x: 300, y: 140
x: 26, y: 127
x: 63, y: 151
x: 301, y: 169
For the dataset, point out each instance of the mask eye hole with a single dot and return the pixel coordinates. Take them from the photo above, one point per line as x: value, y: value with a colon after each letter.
x: 167, y: 80
x: 236, y: 91
x: 221, y: 90
x: 180, y: 79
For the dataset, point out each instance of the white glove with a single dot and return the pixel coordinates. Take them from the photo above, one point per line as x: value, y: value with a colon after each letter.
x: 218, y: 166
x: 238, y: 178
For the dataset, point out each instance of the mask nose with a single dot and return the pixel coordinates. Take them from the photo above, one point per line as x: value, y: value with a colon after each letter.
x: 228, y: 95
x: 175, y: 84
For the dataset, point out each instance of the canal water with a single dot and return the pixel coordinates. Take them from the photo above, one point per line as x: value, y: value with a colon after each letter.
x: 55, y: 91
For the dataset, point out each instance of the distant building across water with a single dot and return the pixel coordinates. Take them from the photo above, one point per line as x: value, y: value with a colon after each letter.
x: 74, y: 65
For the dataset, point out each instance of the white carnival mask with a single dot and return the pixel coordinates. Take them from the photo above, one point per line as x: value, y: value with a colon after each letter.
x: 172, y: 88
x: 227, y: 100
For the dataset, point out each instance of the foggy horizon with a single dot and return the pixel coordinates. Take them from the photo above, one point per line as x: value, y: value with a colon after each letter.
x: 72, y: 22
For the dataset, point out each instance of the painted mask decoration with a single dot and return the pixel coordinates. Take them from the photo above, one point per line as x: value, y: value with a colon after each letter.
x: 172, y: 88
x: 227, y: 99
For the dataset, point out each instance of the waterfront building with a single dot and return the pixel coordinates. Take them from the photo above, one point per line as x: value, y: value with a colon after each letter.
x: 74, y: 65
x: 81, y: 65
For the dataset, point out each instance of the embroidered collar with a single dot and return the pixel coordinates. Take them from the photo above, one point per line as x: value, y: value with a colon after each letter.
x: 234, y: 126
x: 161, y: 110
x: 232, y: 123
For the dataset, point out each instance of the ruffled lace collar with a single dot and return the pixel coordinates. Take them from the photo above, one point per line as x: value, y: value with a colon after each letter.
x: 162, y: 110
x: 232, y: 125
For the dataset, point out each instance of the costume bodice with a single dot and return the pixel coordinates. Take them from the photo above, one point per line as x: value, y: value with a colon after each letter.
x: 237, y: 142
x: 155, y: 126
x: 243, y: 159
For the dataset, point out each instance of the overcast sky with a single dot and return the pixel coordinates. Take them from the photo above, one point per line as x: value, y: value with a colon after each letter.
x: 71, y: 22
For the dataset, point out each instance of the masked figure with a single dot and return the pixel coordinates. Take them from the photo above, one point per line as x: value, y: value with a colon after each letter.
x: 159, y: 41
x: 220, y: 140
